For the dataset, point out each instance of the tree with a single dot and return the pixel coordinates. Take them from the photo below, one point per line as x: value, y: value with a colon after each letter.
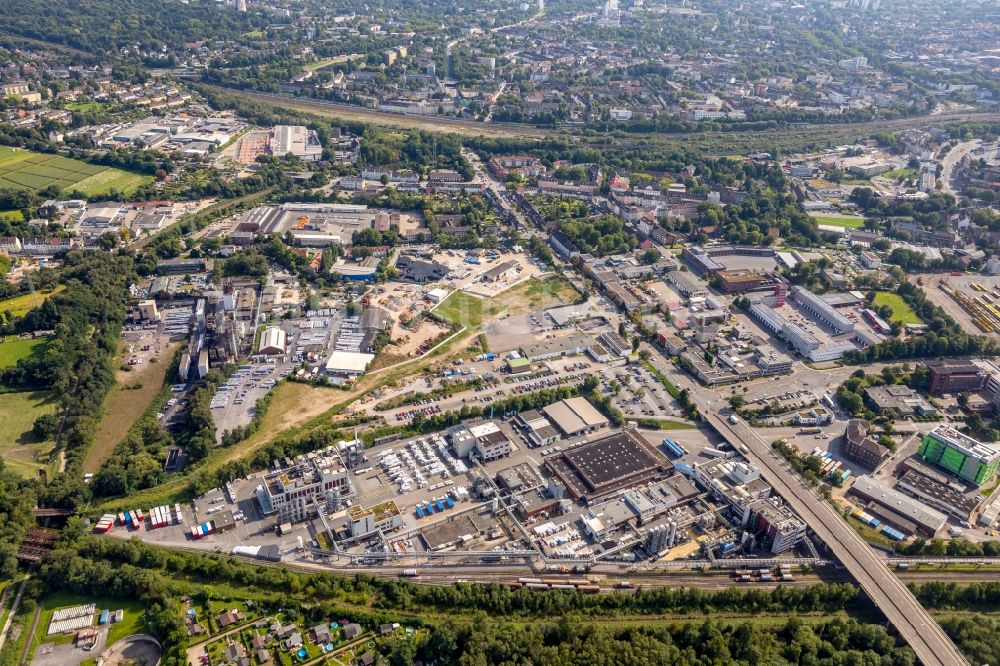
x: 651, y: 256
x: 736, y: 402
x: 45, y: 426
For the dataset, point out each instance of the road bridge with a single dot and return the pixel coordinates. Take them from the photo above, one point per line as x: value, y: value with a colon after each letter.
x: 916, y: 626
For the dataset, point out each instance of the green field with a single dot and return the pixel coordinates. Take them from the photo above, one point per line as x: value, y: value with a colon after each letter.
x: 27, y: 170
x: 13, y: 349
x: 12, y: 215
x: 20, y: 305
x: 84, y: 107
x: 846, y: 221
x: 19, y: 448
x: 532, y: 295
x: 901, y: 311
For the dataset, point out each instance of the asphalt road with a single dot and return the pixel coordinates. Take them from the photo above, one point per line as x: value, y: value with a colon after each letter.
x: 928, y: 640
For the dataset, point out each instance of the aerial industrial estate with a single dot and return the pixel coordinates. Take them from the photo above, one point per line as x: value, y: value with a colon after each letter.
x: 543, y: 332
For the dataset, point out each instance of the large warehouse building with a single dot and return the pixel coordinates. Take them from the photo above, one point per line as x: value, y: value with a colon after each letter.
x: 575, y: 416
x: 901, y: 511
x: 298, y: 140
x: 612, y: 463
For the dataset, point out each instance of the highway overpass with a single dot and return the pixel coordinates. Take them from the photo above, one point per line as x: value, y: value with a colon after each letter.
x: 928, y: 640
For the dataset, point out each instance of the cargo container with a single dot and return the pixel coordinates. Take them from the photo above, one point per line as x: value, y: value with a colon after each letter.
x: 892, y: 533
x: 525, y: 581
x: 410, y: 573
x: 449, y: 502
x: 536, y: 586
x: 438, y: 505
x: 673, y: 447
x: 121, y: 518
x: 419, y: 512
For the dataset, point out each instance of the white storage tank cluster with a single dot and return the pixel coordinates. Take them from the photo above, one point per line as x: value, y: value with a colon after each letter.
x: 417, y: 462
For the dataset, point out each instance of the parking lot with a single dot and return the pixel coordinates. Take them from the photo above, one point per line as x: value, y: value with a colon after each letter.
x: 235, y: 402
x: 494, y: 385
x: 641, y: 394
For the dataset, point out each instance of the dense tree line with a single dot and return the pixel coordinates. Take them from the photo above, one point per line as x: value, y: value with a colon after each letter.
x: 976, y: 637
x: 78, y: 365
x: 146, y: 25
x: 17, y: 499
x: 984, y: 596
x: 567, y: 643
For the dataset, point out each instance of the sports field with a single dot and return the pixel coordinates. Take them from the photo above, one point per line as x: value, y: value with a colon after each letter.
x: 27, y: 170
x: 847, y: 221
x: 901, y: 310
x: 13, y: 349
x: 19, y: 448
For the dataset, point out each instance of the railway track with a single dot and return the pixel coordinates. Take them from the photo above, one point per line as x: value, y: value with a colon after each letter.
x: 608, y: 582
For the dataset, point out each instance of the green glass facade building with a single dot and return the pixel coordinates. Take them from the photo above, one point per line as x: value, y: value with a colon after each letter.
x: 961, y: 455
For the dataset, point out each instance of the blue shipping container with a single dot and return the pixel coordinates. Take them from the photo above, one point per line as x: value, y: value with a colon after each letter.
x: 104, y: 617
x: 429, y: 509
x: 893, y: 534
x: 449, y: 502
x: 420, y: 512
x: 440, y: 507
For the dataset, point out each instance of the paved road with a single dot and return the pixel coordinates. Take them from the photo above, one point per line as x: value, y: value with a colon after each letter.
x: 928, y: 640
x: 951, y: 160
x: 13, y: 611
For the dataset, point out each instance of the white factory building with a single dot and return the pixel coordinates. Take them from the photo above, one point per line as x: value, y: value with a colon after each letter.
x: 272, y: 342
x: 300, y: 141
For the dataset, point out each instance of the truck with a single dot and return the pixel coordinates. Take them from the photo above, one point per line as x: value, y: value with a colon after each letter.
x: 733, y: 419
